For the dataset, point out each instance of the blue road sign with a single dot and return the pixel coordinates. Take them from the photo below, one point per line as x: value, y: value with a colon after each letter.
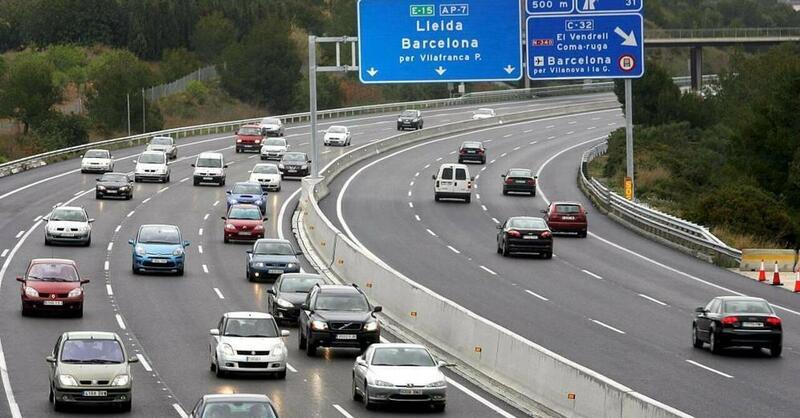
x: 608, y: 6
x: 411, y: 41
x: 585, y: 46
x: 537, y: 7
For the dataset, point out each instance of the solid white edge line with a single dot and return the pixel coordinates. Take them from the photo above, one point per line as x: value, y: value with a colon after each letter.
x: 282, y: 212
x: 709, y: 369
x: 144, y: 362
x: 596, y: 276
x: 652, y: 299
x: 109, y: 290
x: 120, y: 322
x: 453, y: 249
x: 536, y: 295
x: 180, y: 410
x: 291, y: 368
x: 342, y: 411
x: 219, y: 293
x: 602, y: 324
x: 205, y: 269
x: 12, y: 403
x: 479, y: 398
x: 106, y: 266
x: 488, y: 271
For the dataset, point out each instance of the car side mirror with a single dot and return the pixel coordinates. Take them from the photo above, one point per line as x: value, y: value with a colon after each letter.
x: 433, y: 176
x: 700, y: 309
x: 377, y: 309
x: 227, y: 192
x: 84, y: 281
x: 91, y: 220
x: 472, y: 178
x: 213, y: 331
x: 186, y: 243
x: 133, y: 360
x: 499, y: 226
x: 285, y: 333
x: 96, y: 179
x: 225, y: 166
x: 271, y: 291
x: 224, y: 218
x: 135, y: 161
x: 249, y: 251
x: 50, y: 359
x: 445, y: 364
x: 298, y: 253
x: 131, y: 242
x: 360, y: 361
x: 304, y: 306
x: 503, y: 176
x: 81, y: 156
x: 265, y: 218
x: 193, y: 165
x: 20, y: 279
x: 46, y: 219
x: 236, y: 132
x: 543, y: 211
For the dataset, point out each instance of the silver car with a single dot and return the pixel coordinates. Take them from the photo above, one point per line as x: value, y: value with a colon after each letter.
x: 164, y: 144
x: 69, y: 225
x: 401, y: 373
x: 248, y: 342
x: 98, y: 160
x: 90, y: 367
x: 271, y: 127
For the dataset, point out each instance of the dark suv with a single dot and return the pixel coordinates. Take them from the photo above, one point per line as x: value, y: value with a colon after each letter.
x: 337, y: 316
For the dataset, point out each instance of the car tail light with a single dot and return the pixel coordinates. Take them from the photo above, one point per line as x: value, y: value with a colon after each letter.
x: 773, y: 321
x: 546, y: 234
x: 509, y: 181
x: 480, y: 151
x: 239, y: 141
x: 258, y: 141
x: 531, y: 181
x: 729, y: 320
x: 462, y: 151
x: 513, y: 233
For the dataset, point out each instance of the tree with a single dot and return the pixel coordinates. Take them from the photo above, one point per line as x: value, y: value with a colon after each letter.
x: 656, y: 99
x: 178, y: 63
x: 27, y: 91
x: 212, y: 34
x: 264, y: 68
x: 84, y: 22
x: 62, y: 131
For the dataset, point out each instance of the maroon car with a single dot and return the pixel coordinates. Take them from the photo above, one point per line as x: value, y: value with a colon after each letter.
x: 243, y: 223
x: 566, y: 217
x: 52, y: 284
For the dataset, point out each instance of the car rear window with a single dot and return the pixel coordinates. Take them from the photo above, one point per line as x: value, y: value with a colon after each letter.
x: 746, y: 307
x: 519, y: 173
x: 568, y: 209
x: 276, y: 141
x: 527, y: 223
x: 471, y: 145
x: 461, y: 174
x: 447, y: 173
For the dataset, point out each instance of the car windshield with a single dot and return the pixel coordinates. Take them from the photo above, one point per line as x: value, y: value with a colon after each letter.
x: 159, y: 235
x: 279, y: 142
x: 746, y: 307
x: 271, y: 121
x: 96, y: 154
x: 568, y: 208
x: 249, y: 130
x: 266, y: 169
x: 245, y: 188
x: 294, y: 157
x: 409, y: 114
x: 527, y: 223
x: 155, y: 158
x: 274, y: 248
x: 233, y: 409
x: 519, y: 173
x: 337, y: 130
x: 53, y: 272
x: 209, y: 162
x: 299, y: 284
x: 402, y: 356
x: 250, y: 327
x: 341, y: 302
x: 244, y: 213
x: 114, y: 178
x: 69, y: 215
x: 161, y: 141
x: 488, y: 112
x: 92, y: 351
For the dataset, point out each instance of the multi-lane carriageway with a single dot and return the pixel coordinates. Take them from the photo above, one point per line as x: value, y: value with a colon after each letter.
x: 165, y: 319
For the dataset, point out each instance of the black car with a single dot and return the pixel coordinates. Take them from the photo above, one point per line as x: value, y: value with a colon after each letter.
x: 226, y: 405
x: 524, y: 234
x: 114, y: 185
x: 735, y: 321
x: 472, y: 151
x: 270, y: 258
x: 288, y: 293
x: 295, y: 164
x: 519, y: 180
x: 337, y: 316
x: 410, y: 119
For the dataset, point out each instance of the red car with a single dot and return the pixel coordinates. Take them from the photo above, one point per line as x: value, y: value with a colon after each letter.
x: 566, y: 217
x: 248, y: 138
x: 52, y: 284
x: 243, y: 223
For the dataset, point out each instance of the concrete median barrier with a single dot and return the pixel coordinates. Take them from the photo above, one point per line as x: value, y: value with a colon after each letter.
x: 751, y: 259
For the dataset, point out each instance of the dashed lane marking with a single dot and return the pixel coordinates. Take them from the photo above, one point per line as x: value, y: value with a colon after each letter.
x: 453, y: 249
x: 652, y: 299
x: 602, y: 324
x: 130, y: 213
x: 495, y: 220
x: 417, y: 217
x: 109, y: 290
x: 431, y: 232
x: 120, y: 322
x: 106, y: 266
x: 342, y: 411
x: 19, y: 234
x: 5, y: 252
x: 110, y: 246
x: 488, y: 271
x: 219, y: 293
x: 592, y: 274
x: 179, y: 410
x: 692, y: 362
x: 536, y: 295
x: 205, y: 269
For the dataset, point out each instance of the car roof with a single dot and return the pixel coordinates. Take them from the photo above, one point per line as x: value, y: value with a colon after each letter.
x: 246, y: 314
x: 53, y: 261
x: 68, y: 207
x: 484, y: 109
x: 116, y: 173
x: 741, y: 298
x: 97, y: 149
x: 251, y: 125
x: 398, y: 345
x: 472, y: 143
x: 338, y: 288
x: 266, y: 164
x: 210, y: 155
x: 568, y: 203
x: 159, y: 226
x: 519, y: 169
x: 273, y: 240
x: 247, y: 182
x: 337, y: 126
x: 307, y: 275
x: 294, y: 152
x: 454, y: 165
x: 161, y: 136
x: 153, y: 152
x: 241, y: 397
x: 96, y: 335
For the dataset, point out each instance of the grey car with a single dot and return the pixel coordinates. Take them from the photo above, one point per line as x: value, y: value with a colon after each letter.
x: 399, y: 373
x: 90, y: 367
x: 68, y: 225
x: 233, y: 406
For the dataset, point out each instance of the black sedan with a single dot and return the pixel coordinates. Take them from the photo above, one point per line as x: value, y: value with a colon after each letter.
x: 270, y: 258
x: 737, y: 321
x: 114, y: 185
x: 288, y: 293
x: 519, y: 180
x: 524, y: 234
x: 295, y: 164
x: 472, y: 151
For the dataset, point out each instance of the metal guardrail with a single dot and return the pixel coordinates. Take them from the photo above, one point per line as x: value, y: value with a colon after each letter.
x: 687, y: 236
x: 722, y: 33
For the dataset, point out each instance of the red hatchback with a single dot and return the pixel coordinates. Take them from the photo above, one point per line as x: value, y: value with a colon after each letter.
x: 243, y: 223
x: 566, y: 217
x: 52, y: 284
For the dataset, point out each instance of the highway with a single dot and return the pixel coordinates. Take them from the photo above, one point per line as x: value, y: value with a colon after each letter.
x: 165, y: 319
x: 614, y: 302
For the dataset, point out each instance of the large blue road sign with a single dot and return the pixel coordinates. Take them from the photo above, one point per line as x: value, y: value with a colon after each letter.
x: 409, y: 41
x: 538, y: 7
x: 585, y: 46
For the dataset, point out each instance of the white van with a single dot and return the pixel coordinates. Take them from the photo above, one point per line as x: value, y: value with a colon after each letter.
x: 453, y: 181
x: 209, y: 168
x: 151, y: 165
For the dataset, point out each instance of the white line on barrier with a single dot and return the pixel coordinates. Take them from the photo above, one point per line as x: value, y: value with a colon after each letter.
x: 117, y: 228
x: 431, y: 232
x: 105, y: 266
x: 417, y: 217
x: 4, y: 253
x: 109, y: 290
x: 205, y: 269
x: 709, y: 369
x: 282, y: 212
x: 19, y: 234
x: 342, y: 411
x: 495, y: 220
x: 179, y: 410
x: 291, y: 368
x: 488, y: 271
x: 453, y: 249
x: 596, y: 276
x: 200, y: 249
x: 608, y: 326
x: 652, y: 299
x: 12, y: 403
x: 219, y: 293
x: 536, y: 295
x: 120, y: 322
x: 110, y: 246
x: 144, y: 362
x: 130, y: 213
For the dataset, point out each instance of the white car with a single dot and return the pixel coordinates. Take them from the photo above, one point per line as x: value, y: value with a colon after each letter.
x: 248, y: 342
x: 452, y: 181
x: 68, y: 224
x: 267, y: 175
x: 337, y: 135
x: 271, y: 127
x: 164, y: 144
x: 97, y: 160
x: 483, y: 113
x: 209, y: 168
x: 151, y: 165
x: 273, y: 148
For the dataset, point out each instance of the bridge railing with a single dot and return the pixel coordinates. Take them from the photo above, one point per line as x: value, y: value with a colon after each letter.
x: 722, y: 33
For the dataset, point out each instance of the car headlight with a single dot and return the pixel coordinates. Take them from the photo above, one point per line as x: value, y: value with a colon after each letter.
x: 67, y: 380
x: 304, y: 166
x: 162, y: 170
x: 121, y: 380
x: 258, y: 228
x: 319, y: 325
x: 258, y: 202
x: 258, y: 264
x: 227, y: 350
x: 74, y: 293
x: 124, y: 188
x: 140, y: 250
x: 371, y: 326
x: 291, y: 265
x: 238, y: 141
x: 230, y: 226
x: 399, y: 119
x: 178, y: 252
x: 437, y: 384
x: 280, y: 165
x: 31, y: 292
x: 278, y: 350
x: 231, y: 201
x: 284, y: 303
x: 101, y: 187
x: 383, y: 383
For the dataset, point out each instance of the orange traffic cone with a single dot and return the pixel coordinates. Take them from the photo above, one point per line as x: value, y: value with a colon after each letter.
x: 762, y: 274
x: 776, y: 276
x: 797, y: 281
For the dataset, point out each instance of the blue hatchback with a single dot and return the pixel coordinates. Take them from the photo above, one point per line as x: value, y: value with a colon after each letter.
x: 158, y: 248
x: 248, y: 192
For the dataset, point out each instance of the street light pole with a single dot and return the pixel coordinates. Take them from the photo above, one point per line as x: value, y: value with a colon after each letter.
x: 312, y: 96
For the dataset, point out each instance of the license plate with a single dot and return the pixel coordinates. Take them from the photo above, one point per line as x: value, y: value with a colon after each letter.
x: 568, y: 218
x: 207, y: 178
x: 67, y: 235
x: 410, y: 392
x: 245, y: 234
x: 274, y: 271
x: 530, y: 237
x: 53, y: 303
x: 346, y: 336
x: 159, y: 261
x: 470, y: 152
x: 255, y: 359
x: 95, y: 393
x: 446, y: 183
x: 111, y: 191
x: 292, y: 171
x: 753, y: 324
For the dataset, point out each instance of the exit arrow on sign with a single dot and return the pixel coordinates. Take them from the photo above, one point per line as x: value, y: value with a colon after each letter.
x: 441, y: 70
x: 509, y: 68
x: 628, y: 39
x: 372, y: 71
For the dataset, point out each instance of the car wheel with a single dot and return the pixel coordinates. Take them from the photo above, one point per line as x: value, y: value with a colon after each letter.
x: 367, y: 403
x: 311, y: 349
x: 225, y: 240
x: 129, y: 197
x: 439, y: 407
x: 505, y: 192
x: 775, y: 350
x: 125, y: 406
x: 88, y: 242
x: 180, y: 272
x: 167, y: 180
x: 219, y: 372
x: 696, y: 341
x: 222, y: 183
x: 195, y: 182
x: 504, y: 250
x: 98, y: 196
x: 46, y: 241
x: 548, y: 255
x: 436, y: 197
x: 281, y: 375
x: 50, y: 396
x: 25, y: 311
x: 134, y: 270
x: 302, y: 344
x: 57, y: 405
x: 467, y: 199
x: 79, y: 313
x: 713, y: 344
x: 278, y: 189
x: 356, y: 396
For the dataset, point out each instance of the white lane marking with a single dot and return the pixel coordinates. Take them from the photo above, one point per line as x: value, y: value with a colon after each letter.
x: 143, y: 362
x: 411, y: 184
x: 12, y: 403
x: 185, y: 179
x: 508, y: 135
x: 536, y: 295
x: 59, y: 203
x: 282, y: 212
x: 532, y: 143
x: 572, y: 122
x: 550, y: 126
x: 551, y: 137
x: 426, y: 166
x: 342, y: 411
x: 570, y: 132
x: 709, y: 369
x: 416, y: 174
x: 216, y: 203
x: 180, y: 410
x: 479, y: 398
x: 517, y: 148
x: 130, y: 213
x: 411, y: 205
x: 591, y: 128
x: 488, y: 271
x: 431, y: 232
x: 302, y: 143
x: 453, y: 249
x: 117, y: 228
x: 489, y: 140
x: 164, y: 189
x: 4, y: 253
x: 503, y: 154
x: 595, y: 118
x: 251, y: 157
x: 19, y: 234
x: 483, y: 169
x: 484, y: 207
x: 291, y: 368
x: 106, y: 266
x: 120, y: 322
x: 477, y: 195
x: 527, y: 131
x: 219, y: 293
x: 492, y: 162
x: 200, y: 249
x: 439, y: 159
x: 495, y: 220
x: 596, y: 276
x: 200, y: 232
x: 409, y: 193
x: 326, y: 152
x: 602, y: 324
x: 556, y: 155
x: 446, y: 120
x: 36, y: 219
x: 109, y: 290
x: 206, y: 216
x: 612, y: 123
x: 78, y: 193
x: 110, y: 246
x: 205, y: 269
x: 453, y: 152
x: 417, y: 217
x: 653, y: 299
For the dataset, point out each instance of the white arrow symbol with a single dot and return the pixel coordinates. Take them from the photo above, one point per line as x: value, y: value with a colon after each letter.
x: 441, y: 70
x: 372, y: 71
x: 509, y: 69
x: 629, y: 39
